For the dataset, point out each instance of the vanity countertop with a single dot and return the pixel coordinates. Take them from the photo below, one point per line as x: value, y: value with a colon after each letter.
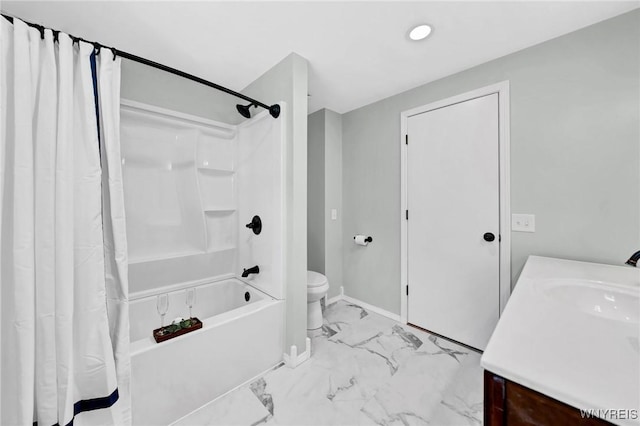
x: 570, y: 331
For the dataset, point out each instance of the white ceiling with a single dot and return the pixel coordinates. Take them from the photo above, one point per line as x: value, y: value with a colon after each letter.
x: 358, y: 51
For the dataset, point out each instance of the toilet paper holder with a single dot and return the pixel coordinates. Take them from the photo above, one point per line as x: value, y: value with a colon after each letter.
x: 366, y: 240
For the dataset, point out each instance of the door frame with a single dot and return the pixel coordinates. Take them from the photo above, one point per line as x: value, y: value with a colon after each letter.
x: 502, y: 89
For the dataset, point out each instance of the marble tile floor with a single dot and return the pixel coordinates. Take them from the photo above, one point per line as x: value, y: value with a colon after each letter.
x: 365, y: 369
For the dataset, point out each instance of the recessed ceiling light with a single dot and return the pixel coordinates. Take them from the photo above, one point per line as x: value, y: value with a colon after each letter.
x: 420, y: 32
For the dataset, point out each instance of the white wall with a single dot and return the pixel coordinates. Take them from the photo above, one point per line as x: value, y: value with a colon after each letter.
x: 575, y: 155
x: 287, y: 81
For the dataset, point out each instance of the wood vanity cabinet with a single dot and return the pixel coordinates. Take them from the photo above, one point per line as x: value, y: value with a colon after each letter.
x: 509, y: 404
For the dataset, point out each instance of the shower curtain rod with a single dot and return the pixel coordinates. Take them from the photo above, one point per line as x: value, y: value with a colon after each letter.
x: 274, y: 109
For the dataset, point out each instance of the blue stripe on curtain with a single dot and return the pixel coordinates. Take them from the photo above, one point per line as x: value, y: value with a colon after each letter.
x: 94, y: 77
x: 91, y: 404
x: 94, y: 404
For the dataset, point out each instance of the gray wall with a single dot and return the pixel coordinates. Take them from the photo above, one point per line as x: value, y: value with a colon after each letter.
x: 287, y: 81
x: 152, y: 86
x: 574, y: 155
x: 315, y: 192
x: 333, y: 200
x: 324, y: 234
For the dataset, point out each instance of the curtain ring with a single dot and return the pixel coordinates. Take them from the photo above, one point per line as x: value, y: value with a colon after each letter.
x: 55, y: 36
x: 96, y: 47
x: 41, y: 29
x: 114, y: 51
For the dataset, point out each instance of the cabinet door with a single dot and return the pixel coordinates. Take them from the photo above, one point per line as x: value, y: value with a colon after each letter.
x: 509, y: 404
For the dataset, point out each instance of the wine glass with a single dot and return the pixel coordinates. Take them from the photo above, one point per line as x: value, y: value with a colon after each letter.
x: 190, y: 299
x: 162, y: 304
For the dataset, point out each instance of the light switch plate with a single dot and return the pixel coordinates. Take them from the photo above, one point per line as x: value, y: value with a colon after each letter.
x: 523, y: 222
x: 334, y: 214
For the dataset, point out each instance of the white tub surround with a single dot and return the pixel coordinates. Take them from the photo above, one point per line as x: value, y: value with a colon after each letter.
x: 570, y: 331
x: 191, y: 186
x: 239, y: 339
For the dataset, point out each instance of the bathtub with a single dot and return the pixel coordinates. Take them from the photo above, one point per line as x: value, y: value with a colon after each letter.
x: 239, y: 340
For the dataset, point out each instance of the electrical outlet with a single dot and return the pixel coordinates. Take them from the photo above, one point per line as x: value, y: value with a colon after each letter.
x: 523, y: 222
x: 334, y: 214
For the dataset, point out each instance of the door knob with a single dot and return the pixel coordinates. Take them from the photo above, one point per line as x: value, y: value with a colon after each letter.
x: 488, y: 236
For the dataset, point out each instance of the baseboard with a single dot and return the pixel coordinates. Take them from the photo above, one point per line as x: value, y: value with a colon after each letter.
x: 367, y: 306
x: 292, y: 359
x: 334, y: 299
x: 372, y: 308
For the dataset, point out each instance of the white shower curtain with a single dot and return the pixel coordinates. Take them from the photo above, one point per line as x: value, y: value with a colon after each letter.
x: 63, y: 292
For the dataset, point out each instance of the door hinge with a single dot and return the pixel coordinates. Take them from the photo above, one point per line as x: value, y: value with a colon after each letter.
x: 407, y: 290
x: 406, y: 214
x: 406, y: 139
x: 499, y: 237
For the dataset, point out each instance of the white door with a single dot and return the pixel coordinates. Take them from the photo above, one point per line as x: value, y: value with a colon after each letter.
x: 453, y: 212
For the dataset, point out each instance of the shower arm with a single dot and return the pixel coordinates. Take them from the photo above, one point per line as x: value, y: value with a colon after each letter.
x: 274, y: 109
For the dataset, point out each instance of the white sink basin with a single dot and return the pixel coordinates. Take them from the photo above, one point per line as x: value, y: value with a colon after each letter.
x: 570, y: 330
x: 602, y: 299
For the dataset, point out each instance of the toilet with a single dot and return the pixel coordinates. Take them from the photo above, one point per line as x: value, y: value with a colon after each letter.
x: 317, y: 287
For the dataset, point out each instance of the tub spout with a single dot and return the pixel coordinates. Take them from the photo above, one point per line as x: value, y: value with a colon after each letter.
x: 253, y: 270
x: 633, y: 260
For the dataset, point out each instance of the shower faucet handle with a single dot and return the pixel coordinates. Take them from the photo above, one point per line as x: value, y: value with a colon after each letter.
x: 255, y: 225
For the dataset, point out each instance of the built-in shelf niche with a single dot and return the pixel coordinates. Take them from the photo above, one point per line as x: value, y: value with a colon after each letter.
x: 217, y: 181
x: 222, y: 225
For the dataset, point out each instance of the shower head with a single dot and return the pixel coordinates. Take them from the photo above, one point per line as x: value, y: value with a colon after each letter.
x: 244, y: 110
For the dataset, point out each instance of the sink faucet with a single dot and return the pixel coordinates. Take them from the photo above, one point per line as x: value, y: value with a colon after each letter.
x: 252, y: 270
x: 633, y: 260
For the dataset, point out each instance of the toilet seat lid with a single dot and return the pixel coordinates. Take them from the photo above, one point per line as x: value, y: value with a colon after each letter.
x: 315, y: 279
